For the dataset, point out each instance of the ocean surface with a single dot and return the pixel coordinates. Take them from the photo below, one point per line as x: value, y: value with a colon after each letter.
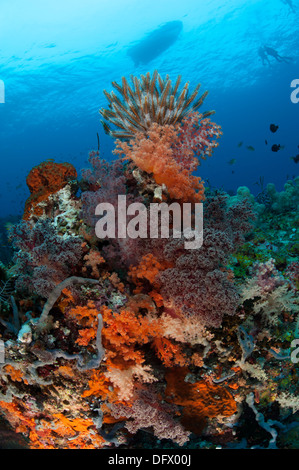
x: 57, y: 58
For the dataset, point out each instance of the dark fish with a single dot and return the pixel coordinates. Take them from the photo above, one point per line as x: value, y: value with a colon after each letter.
x: 275, y: 147
x: 273, y: 128
x: 266, y: 142
x: 241, y: 143
x: 296, y: 159
x: 155, y: 43
x: 249, y: 147
x: 232, y: 161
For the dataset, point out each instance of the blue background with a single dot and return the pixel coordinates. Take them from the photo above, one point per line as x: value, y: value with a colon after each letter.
x: 57, y: 58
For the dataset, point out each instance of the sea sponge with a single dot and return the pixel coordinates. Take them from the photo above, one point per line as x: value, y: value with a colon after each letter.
x: 201, y: 400
x: 43, y: 180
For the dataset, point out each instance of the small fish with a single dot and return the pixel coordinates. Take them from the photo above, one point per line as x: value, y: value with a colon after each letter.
x: 266, y: 142
x: 273, y: 128
x: 275, y: 147
x: 232, y: 161
x: 241, y: 143
x: 295, y: 159
x: 260, y: 182
x: 249, y: 147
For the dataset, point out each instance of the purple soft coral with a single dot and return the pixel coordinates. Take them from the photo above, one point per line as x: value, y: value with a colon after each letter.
x: 105, y: 181
x: 198, y: 284
x: 267, y: 276
x: 147, y: 411
x: 43, y: 259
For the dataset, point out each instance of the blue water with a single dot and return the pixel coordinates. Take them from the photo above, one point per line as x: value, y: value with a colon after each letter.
x: 57, y: 57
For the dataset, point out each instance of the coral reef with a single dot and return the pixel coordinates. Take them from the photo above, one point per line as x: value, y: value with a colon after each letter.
x: 140, y: 342
x: 272, y: 200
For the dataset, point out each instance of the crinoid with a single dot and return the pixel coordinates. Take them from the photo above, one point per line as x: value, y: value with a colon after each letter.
x: 150, y: 100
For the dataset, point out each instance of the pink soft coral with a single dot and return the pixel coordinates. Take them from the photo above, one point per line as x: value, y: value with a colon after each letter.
x: 147, y: 411
x: 169, y: 153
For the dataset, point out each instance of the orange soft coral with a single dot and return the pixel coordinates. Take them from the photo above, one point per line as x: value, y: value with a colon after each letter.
x: 148, y: 269
x: 16, y: 375
x: 122, y: 333
x: 19, y: 421
x: 46, y: 431
x: 92, y: 261
x: 141, y: 302
x: 66, y: 299
x: 98, y: 386
x: 85, y: 336
x: 169, y: 353
x: 85, y: 315
x: 116, y: 282
x: 157, y: 297
x: 80, y: 432
x: 154, y: 155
